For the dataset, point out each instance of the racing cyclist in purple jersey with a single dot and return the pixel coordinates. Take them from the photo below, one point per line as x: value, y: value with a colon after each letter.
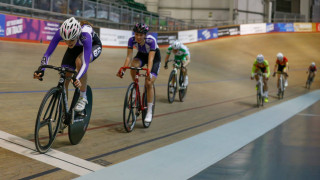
x: 148, y: 53
x: 84, y: 46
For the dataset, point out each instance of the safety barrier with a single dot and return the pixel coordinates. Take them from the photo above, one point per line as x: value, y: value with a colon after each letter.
x: 30, y: 29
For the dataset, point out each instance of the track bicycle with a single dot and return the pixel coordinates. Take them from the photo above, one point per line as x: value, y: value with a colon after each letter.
x: 134, y: 103
x: 281, y: 84
x: 174, y: 84
x: 309, y: 81
x: 54, y: 114
x: 260, y: 91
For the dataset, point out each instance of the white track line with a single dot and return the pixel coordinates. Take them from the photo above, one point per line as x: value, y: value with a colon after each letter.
x: 52, y: 157
x: 186, y: 158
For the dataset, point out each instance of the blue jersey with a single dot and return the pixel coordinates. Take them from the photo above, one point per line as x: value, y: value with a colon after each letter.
x: 85, y: 40
x: 149, y: 45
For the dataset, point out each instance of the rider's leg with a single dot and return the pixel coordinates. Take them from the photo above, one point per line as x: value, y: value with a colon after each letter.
x: 278, y: 81
x: 185, y: 75
x: 81, y: 104
x: 150, y: 95
x: 135, y: 63
x: 265, y: 89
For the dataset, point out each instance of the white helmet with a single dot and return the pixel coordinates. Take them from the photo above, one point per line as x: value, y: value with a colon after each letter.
x: 280, y: 56
x: 70, y: 29
x: 176, y: 44
x: 260, y: 58
x: 313, y: 64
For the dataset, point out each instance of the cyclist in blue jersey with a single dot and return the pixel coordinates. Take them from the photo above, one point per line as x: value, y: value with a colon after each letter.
x: 148, y: 53
x: 84, y: 46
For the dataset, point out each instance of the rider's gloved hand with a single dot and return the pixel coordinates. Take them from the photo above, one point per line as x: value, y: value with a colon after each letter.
x: 166, y: 65
x: 38, y: 74
x: 121, y: 72
x: 251, y: 77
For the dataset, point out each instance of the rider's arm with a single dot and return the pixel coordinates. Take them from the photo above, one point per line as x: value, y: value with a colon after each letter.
x: 129, y: 57
x: 187, y: 62
x: 268, y: 68
x: 52, y: 46
x: 87, y: 50
x: 166, y: 59
x: 275, y: 68
x: 253, y: 69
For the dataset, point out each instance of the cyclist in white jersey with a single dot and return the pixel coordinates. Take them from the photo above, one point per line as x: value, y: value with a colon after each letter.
x: 181, y: 52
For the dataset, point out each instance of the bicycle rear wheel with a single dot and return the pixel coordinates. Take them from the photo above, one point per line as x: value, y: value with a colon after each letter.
x: 183, y: 90
x: 48, y: 120
x: 145, y: 104
x: 130, y: 108
x: 171, y: 86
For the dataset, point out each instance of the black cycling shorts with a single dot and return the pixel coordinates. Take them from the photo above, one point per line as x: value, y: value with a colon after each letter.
x: 281, y: 68
x: 143, y: 57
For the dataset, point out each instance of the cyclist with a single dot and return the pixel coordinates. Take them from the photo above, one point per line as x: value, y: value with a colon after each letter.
x: 312, y: 70
x: 84, y: 46
x: 148, y: 53
x: 261, y: 65
x: 281, y: 67
x: 181, y: 53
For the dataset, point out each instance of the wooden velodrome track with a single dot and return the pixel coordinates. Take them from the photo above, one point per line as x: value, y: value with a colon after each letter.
x: 220, y: 91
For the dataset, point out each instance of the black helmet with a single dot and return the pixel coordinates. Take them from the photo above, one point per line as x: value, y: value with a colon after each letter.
x: 141, y: 28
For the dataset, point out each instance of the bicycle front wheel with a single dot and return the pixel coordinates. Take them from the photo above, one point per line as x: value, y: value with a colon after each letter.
x: 172, y: 86
x: 48, y: 120
x: 130, y: 108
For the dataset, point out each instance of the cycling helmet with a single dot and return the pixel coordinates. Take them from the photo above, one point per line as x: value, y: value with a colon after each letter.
x: 176, y: 44
x: 141, y: 28
x: 260, y: 58
x: 70, y: 29
x: 313, y: 64
x: 280, y: 56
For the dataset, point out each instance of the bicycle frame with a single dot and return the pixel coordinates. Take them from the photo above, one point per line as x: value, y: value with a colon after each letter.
x: 61, y: 85
x: 261, y: 84
x: 176, y: 68
x: 136, y: 83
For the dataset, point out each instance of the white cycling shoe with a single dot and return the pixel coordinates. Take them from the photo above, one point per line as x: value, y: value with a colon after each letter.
x: 148, y: 117
x: 81, y: 104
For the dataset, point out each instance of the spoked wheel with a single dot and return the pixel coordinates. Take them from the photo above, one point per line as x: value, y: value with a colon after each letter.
x: 48, y: 120
x: 183, y: 90
x: 130, y: 108
x: 172, y: 87
x: 145, y: 104
x: 81, y: 120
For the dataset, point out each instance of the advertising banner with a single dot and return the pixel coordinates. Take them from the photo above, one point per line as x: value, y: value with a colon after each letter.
x: 204, y: 34
x: 166, y: 38
x: 2, y: 24
x: 253, y: 28
x: 228, y: 31
x: 188, y: 36
x: 113, y: 37
x: 318, y: 27
x: 270, y: 27
x: 302, y: 27
x: 31, y: 29
x: 283, y: 27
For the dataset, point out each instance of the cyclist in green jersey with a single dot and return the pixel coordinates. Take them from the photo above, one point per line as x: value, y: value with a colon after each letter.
x: 261, y: 65
x: 181, y: 52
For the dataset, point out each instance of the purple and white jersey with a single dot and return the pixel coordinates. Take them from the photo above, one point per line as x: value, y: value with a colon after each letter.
x: 85, y: 40
x: 150, y: 44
